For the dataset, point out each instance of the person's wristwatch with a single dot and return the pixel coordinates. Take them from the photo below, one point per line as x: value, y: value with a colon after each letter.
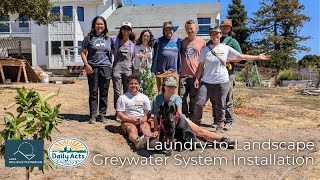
x: 85, y: 64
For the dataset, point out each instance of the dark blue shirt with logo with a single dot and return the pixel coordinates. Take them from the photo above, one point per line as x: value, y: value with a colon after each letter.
x: 167, y: 55
x: 99, y: 50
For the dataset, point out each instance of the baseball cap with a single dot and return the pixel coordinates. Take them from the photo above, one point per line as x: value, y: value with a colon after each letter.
x: 127, y: 23
x: 170, y: 81
x: 215, y: 29
x: 169, y: 24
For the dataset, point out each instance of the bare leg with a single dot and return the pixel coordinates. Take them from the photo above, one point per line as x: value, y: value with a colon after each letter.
x: 145, y: 128
x: 200, y: 132
x: 132, y: 131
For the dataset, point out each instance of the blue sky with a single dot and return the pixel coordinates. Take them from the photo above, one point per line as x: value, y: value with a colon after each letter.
x: 311, y: 28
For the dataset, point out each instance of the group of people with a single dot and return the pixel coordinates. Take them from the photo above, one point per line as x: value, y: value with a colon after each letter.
x: 183, y: 68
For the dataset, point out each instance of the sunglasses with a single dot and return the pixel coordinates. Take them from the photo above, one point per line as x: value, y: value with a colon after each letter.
x: 170, y: 78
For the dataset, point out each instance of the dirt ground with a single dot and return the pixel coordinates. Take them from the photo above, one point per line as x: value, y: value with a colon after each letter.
x: 279, y: 114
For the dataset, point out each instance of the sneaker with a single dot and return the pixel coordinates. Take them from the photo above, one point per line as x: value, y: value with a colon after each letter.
x: 103, y: 119
x: 92, y: 120
x: 227, y: 127
x: 217, y: 126
x: 140, y: 142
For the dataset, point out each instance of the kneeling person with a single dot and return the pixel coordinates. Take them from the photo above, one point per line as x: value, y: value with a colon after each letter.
x: 133, y: 108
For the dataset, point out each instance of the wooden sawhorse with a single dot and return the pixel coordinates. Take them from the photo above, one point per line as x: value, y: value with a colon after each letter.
x: 22, y: 68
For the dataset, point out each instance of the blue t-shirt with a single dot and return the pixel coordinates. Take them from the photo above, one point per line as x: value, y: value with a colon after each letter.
x: 99, y: 50
x: 160, y: 99
x: 168, y: 55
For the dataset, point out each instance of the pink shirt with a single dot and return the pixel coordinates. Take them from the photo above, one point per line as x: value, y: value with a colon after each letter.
x: 191, y: 51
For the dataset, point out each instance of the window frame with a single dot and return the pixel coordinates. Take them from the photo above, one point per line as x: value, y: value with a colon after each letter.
x: 204, y: 22
x: 23, y: 21
x: 64, y: 12
x: 80, y: 18
x: 58, y: 12
x: 5, y: 27
x: 54, y: 49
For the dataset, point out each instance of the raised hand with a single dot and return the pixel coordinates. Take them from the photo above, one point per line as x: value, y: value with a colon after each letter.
x: 264, y: 56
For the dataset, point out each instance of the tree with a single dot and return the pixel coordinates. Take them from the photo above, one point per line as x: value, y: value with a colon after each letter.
x: 279, y: 22
x: 37, y: 10
x: 239, y: 17
x: 312, y: 61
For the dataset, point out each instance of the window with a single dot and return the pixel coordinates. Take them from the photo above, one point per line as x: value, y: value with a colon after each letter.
x: 217, y: 21
x: 70, y: 48
x: 80, y: 13
x: 204, y: 20
x: 204, y: 29
x: 67, y: 12
x: 204, y: 26
x: 4, y: 27
x: 23, y: 21
x: 46, y: 46
x: 56, y: 10
x: 79, y: 47
x: 55, y: 47
x: 68, y: 43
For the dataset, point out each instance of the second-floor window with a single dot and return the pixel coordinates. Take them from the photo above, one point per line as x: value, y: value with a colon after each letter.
x: 80, y: 13
x: 4, y: 27
x: 56, y: 10
x: 67, y: 12
x: 204, y: 26
x: 23, y: 21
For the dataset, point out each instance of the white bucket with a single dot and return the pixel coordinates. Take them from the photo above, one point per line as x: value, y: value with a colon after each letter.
x: 44, y: 77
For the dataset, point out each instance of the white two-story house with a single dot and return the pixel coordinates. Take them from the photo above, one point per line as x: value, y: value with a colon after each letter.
x: 58, y: 45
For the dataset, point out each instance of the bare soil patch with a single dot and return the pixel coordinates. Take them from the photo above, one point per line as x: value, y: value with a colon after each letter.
x: 279, y: 114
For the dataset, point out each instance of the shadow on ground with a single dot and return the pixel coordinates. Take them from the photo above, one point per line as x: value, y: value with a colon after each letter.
x: 75, y: 117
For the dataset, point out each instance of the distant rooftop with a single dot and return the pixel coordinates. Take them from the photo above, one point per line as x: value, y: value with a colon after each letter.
x: 150, y: 16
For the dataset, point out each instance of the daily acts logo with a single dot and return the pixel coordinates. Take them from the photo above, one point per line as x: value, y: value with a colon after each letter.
x: 68, y: 152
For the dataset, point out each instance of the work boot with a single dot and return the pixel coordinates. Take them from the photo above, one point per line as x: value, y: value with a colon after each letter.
x: 227, y: 127
x: 92, y: 120
x: 103, y: 119
x: 217, y: 126
x: 140, y: 142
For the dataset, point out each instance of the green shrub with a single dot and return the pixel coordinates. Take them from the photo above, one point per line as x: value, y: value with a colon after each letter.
x: 286, y: 75
x: 240, y: 99
x: 245, y: 74
x: 147, y: 82
x: 35, y: 120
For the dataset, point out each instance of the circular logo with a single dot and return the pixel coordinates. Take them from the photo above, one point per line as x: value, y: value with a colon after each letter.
x: 68, y: 152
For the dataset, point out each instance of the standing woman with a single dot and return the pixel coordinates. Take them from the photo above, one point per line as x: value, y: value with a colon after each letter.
x: 142, y: 61
x: 143, y: 51
x: 215, y: 78
x: 97, y: 58
x: 123, y: 59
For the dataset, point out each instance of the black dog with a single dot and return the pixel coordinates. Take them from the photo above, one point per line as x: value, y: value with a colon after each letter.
x: 174, y: 126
